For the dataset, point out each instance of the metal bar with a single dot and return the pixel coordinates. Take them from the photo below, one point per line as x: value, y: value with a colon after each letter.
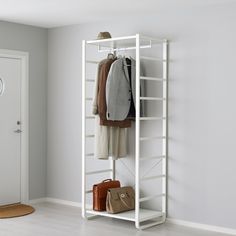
x: 150, y: 169
x: 151, y: 217
x: 152, y: 118
x: 152, y: 98
x: 152, y: 78
x: 90, y: 80
x: 89, y: 155
x: 151, y: 224
x: 96, y: 42
x: 149, y: 138
x: 153, y: 177
x: 152, y: 58
x: 89, y: 99
x: 113, y: 167
x: 128, y: 168
x: 89, y: 191
x: 83, y: 129
x: 90, y: 136
x: 90, y: 217
x: 152, y: 39
x: 137, y: 134
x: 98, y: 172
x: 123, y: 49
x: 90, y: 117
x: 92, y: 62
x: 143, y: 199
x: 165, y: 127
x: 151, y: 158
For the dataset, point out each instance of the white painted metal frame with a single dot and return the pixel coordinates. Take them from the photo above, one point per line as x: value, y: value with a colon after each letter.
x: 24, y: 57
x: 139, y: 215
x: 137, y: 135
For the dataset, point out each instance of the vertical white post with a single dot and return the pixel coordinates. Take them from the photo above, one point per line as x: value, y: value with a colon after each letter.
x: 137, y: 132
x: 83, y: 128
x: 113, y: 162
x: 113, y: 167
x: 165, y: 127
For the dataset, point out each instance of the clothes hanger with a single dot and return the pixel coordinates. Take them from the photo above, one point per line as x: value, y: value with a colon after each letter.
x: 111, y: 55
x: 119, y: 55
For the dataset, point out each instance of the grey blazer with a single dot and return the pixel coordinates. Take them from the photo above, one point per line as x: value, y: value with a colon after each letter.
x: 119, y: 92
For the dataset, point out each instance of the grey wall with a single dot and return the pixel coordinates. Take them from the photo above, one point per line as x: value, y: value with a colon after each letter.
x: 32, y: 40
x: 202, y: 110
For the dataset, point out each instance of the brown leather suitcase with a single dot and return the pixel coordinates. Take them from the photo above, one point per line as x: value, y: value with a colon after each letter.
x: 100, y: 193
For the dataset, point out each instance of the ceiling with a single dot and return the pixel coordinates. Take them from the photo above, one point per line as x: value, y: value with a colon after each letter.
x: 54, y: 13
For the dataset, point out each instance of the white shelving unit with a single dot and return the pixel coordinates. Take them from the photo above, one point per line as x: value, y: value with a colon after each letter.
x: 143, y: 218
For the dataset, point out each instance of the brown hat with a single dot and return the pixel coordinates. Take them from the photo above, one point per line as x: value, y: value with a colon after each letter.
x: 104, y: 35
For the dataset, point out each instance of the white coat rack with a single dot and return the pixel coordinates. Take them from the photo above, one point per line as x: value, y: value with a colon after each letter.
x: 143, y: 218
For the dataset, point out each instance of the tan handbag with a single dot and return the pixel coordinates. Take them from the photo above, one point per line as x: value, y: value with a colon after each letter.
x: 120, y: 199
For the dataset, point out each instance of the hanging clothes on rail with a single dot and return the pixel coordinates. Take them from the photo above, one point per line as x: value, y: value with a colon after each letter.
x: 101, y: 97
x: 131, y: 113
x: 110, y: 141
x: 120, y: 90
x: 110, y: 136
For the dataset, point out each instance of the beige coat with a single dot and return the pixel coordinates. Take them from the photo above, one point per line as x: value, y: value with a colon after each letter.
x: 109, y: 141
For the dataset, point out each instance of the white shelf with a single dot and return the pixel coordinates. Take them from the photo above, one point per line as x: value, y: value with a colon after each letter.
x: 128, y: 42
x: 145, y: 214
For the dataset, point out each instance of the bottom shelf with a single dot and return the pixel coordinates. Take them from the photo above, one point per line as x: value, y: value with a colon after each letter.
x: 145, y: 214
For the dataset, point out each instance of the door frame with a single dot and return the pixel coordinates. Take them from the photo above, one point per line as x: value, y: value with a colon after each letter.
x: 24, y: 154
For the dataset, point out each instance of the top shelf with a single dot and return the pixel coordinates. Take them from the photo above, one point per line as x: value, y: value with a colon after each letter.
x: 128, y: 42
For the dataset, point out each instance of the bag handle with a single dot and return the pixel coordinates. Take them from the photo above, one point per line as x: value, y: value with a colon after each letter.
x: 106, y: 180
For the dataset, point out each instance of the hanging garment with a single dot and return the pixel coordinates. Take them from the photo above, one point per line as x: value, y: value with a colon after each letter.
x: 95, y: 98
x: 99, y: 102
x: 131, y: 114
x: 120, y: 88
x: 102, y: 107
x: 110, y: 141
x: 133, y: 87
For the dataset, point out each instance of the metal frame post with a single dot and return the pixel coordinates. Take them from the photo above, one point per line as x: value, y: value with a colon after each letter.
x: 137, y: 134
x: 83, y: 129
x: 165, y: 127
x: 113, y: 167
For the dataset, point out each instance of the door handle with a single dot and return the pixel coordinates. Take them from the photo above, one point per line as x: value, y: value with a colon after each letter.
x: 17, y: 131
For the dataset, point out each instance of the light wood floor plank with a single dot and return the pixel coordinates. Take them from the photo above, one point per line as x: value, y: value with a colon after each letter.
x: 59, y: 220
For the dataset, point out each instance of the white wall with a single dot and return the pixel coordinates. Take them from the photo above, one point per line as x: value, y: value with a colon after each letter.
x: 32, y: 40
x: 202, y: 110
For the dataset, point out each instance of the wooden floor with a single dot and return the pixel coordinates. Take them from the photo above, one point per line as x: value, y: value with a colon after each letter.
x: 59, y: 220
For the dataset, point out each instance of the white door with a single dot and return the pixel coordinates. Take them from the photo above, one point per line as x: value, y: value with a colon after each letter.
x: 10, y: 130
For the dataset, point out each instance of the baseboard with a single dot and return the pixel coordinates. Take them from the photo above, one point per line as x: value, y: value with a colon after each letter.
x: 63, y: 202
x: 58, y: 201
x: 212, y: 228
x: 37, y: 200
